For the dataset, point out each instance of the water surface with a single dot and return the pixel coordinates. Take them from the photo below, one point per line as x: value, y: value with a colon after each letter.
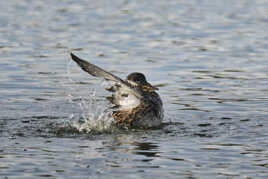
x: 208, y: 57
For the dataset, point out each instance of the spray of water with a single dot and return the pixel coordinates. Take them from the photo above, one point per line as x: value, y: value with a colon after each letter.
x: 95, y: 113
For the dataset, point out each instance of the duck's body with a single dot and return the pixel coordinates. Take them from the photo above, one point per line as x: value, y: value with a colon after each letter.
x: 135, y: 101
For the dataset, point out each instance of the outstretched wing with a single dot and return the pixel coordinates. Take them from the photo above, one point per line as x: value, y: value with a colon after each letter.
x: 99, y: 72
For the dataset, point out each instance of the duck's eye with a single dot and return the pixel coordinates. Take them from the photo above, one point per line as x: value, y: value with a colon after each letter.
x: 138, y: 80
x: 124, y: 95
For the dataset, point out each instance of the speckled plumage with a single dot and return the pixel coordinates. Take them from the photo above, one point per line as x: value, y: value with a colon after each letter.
x: 135, y: 101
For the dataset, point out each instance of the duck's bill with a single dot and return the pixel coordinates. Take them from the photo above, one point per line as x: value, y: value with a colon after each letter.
x: 149, y: 87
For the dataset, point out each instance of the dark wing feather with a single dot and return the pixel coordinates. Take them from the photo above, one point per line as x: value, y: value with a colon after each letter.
x: 99, y: 72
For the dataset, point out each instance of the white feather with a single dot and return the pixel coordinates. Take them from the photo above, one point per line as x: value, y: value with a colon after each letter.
x: 129, y: 102
x: 126, y: 100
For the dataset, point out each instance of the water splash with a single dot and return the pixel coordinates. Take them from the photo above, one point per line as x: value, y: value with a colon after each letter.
x: 96, y: 118
x: 95, y: 110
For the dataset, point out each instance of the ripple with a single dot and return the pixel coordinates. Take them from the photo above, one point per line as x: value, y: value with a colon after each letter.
x: 209, y: 58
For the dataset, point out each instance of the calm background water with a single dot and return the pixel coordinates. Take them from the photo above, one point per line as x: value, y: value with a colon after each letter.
x: 209, y: 57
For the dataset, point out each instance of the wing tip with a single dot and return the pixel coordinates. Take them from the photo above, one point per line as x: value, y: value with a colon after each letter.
x: 75, y: 58
x: 80, y: 62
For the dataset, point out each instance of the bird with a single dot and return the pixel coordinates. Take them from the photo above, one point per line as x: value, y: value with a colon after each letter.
x: 136, y: 104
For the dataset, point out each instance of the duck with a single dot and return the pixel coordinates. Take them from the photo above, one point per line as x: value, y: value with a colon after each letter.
x: 135, y: 102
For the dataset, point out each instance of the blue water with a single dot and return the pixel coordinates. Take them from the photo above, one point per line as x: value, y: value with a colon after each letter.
x: 208, y: 57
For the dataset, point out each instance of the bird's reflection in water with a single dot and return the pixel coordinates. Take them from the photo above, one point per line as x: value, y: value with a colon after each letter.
x: 128, y: 144
x: 145, y: 148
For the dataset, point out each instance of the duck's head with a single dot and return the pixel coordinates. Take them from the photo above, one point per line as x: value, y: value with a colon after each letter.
x: 138, y: 80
